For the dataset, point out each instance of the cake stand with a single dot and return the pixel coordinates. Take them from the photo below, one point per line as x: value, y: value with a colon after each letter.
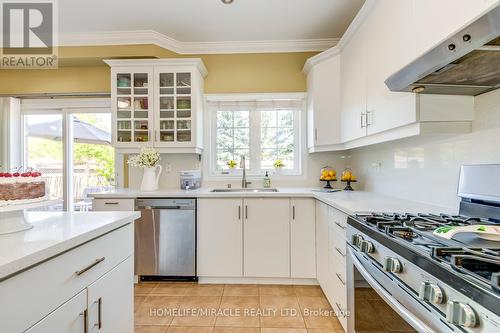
x: 13, y: 216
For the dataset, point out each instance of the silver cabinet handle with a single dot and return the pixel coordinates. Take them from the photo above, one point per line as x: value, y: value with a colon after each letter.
x: 340, y: 279
x: 239, y: 212
x: 340, y: 226
x: 340, y: 252
x: 293, y: 212
x: 246, y: 212
x: 316, y: 134
x: 99, y: 313
x: 111, y: 203
x: 369, y: 118
x: 85, y: 315
x: 95, y: 263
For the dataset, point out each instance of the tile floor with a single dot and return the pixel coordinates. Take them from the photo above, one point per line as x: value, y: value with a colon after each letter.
x: 192, y: 308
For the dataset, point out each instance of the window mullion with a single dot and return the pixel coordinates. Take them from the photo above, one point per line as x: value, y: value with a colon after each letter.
x: 254, y: 141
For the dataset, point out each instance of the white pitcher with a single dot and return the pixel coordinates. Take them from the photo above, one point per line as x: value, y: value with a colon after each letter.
x: 151, y: 178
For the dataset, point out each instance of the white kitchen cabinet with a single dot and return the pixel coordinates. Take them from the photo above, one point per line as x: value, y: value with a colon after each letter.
x: 68, y: 318
x: 266, y: 237
x: 256, y: 238
x: 331, y: 262
x: 437, y: 20
x: 302, y: 238
x: 111, y: 300
x: 378, y: 47
x: 353, y: 63
x: 157, y: 103
x: 322, y: 245
x: 57, y: 306
x: 387, y: 50
x: 220, y: 237
x: 103, y: 205
x: 323, y: 104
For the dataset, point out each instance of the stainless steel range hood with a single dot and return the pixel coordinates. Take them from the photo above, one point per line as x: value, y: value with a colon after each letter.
x: 468, y: 63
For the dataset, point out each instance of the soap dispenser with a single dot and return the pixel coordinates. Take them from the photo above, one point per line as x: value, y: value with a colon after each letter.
x: 267, y: 180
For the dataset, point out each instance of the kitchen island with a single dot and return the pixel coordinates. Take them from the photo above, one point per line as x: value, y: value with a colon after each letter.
x: 71, y: 271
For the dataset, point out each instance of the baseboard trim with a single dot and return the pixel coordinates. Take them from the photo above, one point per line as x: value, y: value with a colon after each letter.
x: 251, y: 280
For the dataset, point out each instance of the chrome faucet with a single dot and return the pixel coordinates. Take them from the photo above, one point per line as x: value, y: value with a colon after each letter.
x: 244, y: 183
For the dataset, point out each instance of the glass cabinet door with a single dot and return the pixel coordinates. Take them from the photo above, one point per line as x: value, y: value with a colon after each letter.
x: 133, y: 110
x: 174, y: 107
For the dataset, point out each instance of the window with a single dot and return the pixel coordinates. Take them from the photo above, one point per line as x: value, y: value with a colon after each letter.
x: 263, y: 131
x: 72, y: 149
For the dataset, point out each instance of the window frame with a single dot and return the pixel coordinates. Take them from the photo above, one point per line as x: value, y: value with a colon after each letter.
x: 299, y: 126
x: 66, y: 108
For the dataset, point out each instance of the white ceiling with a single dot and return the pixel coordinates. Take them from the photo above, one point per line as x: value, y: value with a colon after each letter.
x: 212, y: 21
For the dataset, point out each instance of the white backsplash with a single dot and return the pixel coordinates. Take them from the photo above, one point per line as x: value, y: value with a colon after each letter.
x: 177, y: 162
x: 426, y: 168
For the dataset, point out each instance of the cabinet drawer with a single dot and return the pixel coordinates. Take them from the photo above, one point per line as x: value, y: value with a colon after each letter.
x: 113, y: 205
x: 339, y: 222
x: 337, y: 266
x: 340, y: 301
x: 34, y: 293
x: 337, y: 241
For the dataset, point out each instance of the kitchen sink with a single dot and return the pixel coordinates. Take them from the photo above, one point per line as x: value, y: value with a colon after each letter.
x: 246, y: 190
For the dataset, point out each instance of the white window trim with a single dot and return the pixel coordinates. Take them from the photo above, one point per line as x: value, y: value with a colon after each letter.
x: 209, y: 162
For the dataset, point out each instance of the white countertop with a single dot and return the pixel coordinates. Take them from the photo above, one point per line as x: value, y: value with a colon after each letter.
x: 54, y: 233
x: 350, y: 202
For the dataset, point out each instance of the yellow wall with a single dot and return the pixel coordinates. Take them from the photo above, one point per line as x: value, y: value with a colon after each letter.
x: 82, y: 70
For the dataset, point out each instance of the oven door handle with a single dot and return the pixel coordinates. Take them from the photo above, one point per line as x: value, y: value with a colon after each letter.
x: 412, y: 320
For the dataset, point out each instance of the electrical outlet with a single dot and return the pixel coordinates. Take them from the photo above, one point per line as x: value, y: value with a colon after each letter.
x: 168, y: 168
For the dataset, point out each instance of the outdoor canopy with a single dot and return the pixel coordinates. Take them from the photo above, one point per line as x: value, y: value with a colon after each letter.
x: 82, y: 132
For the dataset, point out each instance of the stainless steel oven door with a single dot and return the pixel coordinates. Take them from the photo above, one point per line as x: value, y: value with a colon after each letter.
x: 362, y: 272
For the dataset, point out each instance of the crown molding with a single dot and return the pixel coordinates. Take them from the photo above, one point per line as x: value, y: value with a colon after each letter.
x: 227, y: 47
x: 351, y: 30
x: 195, y: 62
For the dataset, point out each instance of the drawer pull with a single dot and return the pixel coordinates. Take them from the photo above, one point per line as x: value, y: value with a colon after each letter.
x: 95, y: 263
x: 111, y: 203
x: 99, y: 313
x: 85, y: 315
x: 340, y: 252
x: 340, y: 226
x: 340, y: 279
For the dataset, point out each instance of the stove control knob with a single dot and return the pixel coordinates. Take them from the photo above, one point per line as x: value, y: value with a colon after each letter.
x: 461, y: 314
x: 392, y: 265
x: 431, y: 293
x: 366, y: 247
x: 356, y: 240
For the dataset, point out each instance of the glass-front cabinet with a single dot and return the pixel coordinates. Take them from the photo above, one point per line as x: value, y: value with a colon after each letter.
x: 157, y: 103
x: 175, y: 111
x: 134, y: 112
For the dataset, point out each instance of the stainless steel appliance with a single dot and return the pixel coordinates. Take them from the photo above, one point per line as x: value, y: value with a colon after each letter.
x: 429, y: 283
x: 190, y: 179
x: 467, y: 63
x: 165, y: 239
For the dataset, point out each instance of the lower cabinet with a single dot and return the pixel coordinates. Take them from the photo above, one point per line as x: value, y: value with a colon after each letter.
x: 104, y: 306
x: 266, y: 249
x: 256, y: 237
x: 220, y: 237
x: 331, y: 261
x: 69, y: 318
x: 111, y: 300
x: 87, y: 289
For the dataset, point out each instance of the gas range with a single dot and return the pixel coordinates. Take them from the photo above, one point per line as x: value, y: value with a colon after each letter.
x: 477, y: 259
x: 436, y: 284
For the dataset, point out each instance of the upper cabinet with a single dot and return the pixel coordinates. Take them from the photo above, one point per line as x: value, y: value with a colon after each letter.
x: 157, y: 103
x: 323, y: 104
x: 385, y: 36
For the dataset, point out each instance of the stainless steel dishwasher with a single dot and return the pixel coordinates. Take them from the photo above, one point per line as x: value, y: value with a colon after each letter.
x: 165, y: 239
